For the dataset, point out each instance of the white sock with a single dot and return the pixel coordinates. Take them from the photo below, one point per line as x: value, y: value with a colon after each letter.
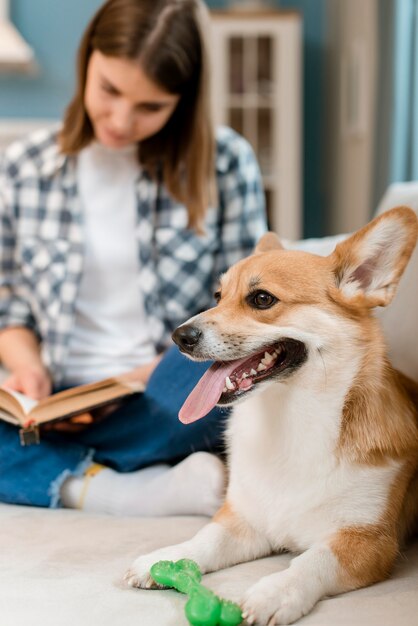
x: 193, y: 487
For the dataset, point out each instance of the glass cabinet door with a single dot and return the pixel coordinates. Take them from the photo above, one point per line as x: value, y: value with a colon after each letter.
x: 250, y: 97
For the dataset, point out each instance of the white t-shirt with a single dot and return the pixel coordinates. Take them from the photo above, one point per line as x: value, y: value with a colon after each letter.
x: 110, y: 334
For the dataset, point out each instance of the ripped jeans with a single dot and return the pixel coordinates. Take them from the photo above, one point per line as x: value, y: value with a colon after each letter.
x: 144, y: 431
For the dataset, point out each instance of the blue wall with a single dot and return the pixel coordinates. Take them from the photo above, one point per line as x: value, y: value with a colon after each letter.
x: 404, y: 162
x: 314, y: 198
x: 53, y: 28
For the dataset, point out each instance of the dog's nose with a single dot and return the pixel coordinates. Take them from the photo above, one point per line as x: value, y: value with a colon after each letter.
x: 186, y: 337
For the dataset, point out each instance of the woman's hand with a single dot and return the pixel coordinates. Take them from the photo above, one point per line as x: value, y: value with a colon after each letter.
x: 73, y: 425
x: 20, y: 355
x: 32, y: 380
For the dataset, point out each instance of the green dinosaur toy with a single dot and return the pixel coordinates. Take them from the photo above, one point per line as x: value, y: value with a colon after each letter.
x: 203, y: 607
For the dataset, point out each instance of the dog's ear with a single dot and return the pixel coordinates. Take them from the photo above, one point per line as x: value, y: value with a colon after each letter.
x: 268, y: 242
x: 369, y: 264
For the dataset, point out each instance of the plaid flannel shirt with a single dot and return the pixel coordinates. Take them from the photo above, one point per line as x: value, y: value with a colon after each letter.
x: 41, y: 240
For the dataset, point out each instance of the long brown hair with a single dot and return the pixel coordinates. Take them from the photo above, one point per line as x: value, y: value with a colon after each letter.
x: 167, y: 38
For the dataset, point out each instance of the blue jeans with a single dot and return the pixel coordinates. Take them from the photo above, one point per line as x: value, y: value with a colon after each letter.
x: 143, y: 431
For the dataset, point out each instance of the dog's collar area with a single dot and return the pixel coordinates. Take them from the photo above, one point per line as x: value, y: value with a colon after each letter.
x: 272, y: 361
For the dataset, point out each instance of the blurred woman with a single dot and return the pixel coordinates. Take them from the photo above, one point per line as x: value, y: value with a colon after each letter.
x: 114, y: 230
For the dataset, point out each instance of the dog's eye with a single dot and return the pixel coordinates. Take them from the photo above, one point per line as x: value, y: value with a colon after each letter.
x: 217, y: 296
x: 261, y: 300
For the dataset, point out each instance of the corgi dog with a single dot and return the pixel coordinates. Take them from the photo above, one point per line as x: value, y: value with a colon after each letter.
x: 323, y: 434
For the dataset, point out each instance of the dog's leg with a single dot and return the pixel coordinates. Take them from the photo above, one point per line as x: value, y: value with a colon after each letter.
x: 227, y: 540
x: 353, y: 558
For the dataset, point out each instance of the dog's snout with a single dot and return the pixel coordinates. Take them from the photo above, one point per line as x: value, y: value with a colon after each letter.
x: 187, y: 337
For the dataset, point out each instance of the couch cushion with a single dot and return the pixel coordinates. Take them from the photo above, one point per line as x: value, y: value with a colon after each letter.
x: 62, y: 567
x: 65, y: 568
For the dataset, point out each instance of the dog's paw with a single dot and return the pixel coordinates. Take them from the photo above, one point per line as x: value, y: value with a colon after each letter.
x: 274, y: 602
x: 138, y: 575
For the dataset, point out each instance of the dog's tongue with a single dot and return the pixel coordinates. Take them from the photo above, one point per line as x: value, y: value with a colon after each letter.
x: 207, y: 391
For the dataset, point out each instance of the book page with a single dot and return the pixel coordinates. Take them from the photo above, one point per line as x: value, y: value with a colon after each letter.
x: 8, y: 417
x: 20, y: 408
x: 121, y: 385
x: 15, y: 403
x: 63, y: 406
x: 25, y: 402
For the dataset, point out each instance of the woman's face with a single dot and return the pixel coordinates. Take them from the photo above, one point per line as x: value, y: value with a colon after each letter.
x: 123, y: 104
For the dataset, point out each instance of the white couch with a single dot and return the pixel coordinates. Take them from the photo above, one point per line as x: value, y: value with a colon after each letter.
x: 64, y: 568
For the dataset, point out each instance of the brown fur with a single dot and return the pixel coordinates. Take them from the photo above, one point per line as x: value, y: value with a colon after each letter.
x: 366, y: 554
x: 408, y: 524
x: 347, y: 255
x: 230, y: 520
x: 379, y: 423
x: 379, y: 419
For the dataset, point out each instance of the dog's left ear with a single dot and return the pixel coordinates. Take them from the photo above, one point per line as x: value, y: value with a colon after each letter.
x: 268, y: 242
x: 369, y: 264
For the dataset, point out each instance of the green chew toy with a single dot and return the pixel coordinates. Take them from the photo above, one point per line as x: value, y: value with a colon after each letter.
x: 203, y: 607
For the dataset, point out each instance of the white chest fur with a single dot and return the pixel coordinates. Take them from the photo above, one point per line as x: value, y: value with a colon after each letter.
x: 285, y: 478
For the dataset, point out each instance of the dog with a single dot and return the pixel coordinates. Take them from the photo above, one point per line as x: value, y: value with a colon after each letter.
x: 323, y: 436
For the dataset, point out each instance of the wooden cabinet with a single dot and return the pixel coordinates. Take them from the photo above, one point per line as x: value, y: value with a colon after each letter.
x: 256, y: 85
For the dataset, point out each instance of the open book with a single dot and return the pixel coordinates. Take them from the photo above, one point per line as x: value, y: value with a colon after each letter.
x: 29, y: 414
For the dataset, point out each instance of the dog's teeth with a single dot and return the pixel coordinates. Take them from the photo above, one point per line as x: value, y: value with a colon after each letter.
x: 253, y: 372
x: 261, y: 367
x: 268, y: 358
x: 229, y: 384
x: 224, y: 390
x: 245, y: 375
x: 245, y: 384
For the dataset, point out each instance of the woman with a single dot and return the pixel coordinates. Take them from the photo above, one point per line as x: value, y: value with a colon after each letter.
x: 107, y: 245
